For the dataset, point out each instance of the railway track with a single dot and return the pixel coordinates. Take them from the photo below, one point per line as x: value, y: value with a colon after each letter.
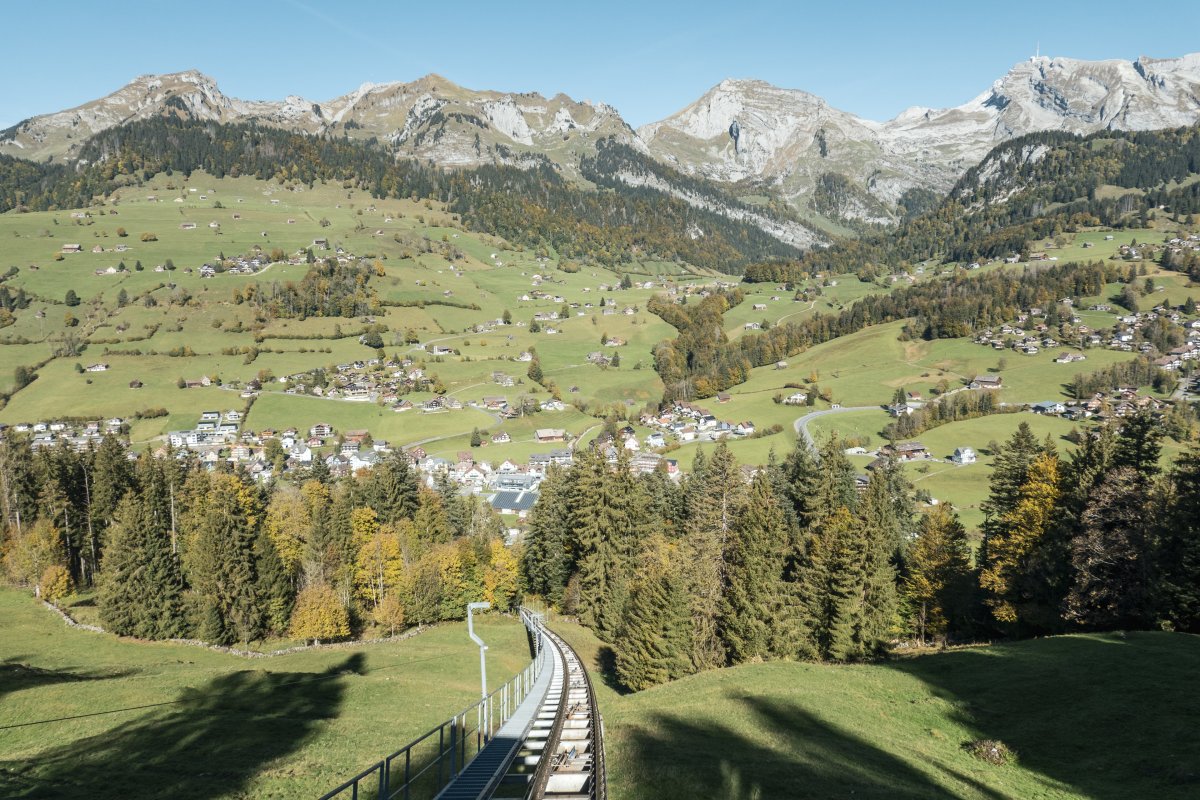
x: 562, y: 756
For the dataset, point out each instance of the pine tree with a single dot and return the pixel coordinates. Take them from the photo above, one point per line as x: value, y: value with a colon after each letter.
x: 754, y: 574
x: 652, y: 645
x: 936, y: 589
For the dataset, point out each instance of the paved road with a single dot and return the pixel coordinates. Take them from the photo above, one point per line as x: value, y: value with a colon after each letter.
x: 801, y: 424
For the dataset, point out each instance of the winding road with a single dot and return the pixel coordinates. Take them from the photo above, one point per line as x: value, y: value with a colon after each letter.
x: 801, y: 424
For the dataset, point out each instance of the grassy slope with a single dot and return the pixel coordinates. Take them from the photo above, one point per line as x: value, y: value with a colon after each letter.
x: 1095, y: 716
x: 192, y: 723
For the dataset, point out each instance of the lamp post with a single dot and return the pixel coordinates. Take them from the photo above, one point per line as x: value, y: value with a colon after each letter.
x: 482, y: 652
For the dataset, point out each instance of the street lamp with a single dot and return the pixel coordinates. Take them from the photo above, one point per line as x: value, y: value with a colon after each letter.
x: 484, y: 716
x: 482, y: 647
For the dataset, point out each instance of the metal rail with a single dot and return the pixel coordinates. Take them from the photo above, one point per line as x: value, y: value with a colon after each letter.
x: 424, y: 766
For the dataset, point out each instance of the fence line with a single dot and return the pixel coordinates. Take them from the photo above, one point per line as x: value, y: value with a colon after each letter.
x: 425, y: 765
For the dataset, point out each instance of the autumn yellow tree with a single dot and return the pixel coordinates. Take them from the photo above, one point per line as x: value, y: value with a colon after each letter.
x: 500, y: 576
x: 31, y: 551
x: 1017, y: 533
x: 288, y: 523
x: 379, y: 566
x: 319, y: 614
x: 390, y: 614
x: 938, y: 569
x: 55, y: 583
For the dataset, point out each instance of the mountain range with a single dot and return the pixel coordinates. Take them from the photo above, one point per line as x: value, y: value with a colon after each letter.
x: 830, y: 166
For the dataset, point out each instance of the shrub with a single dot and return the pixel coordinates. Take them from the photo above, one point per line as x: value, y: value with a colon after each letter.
x: 56, y: 583
x: 993, y: 751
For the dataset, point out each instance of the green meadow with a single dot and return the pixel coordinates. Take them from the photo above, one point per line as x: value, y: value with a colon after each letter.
x: 87, y: 715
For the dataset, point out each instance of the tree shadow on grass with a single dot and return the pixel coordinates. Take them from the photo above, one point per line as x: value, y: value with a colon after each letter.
x: 796, y: 755
x: 210, y: 742
x: 606, y: 666
x: 15, y: 675
x: 1113, y: 715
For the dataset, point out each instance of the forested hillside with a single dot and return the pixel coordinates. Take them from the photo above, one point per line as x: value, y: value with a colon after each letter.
x: 1030, y: 188
x: 800, y: 563
x: 535, y: 207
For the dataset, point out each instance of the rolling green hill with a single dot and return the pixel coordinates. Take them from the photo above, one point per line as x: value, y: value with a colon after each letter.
x: 1106, y: 717
x: 86, y: 715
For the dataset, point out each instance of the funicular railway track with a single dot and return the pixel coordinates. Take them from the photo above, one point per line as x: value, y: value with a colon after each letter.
x: 538, y: 736
x: 566, y: 742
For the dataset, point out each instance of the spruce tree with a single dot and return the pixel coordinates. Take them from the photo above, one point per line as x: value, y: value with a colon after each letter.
x: 392, y: 489
x: 222, y: 567
x: 546, y: 563
x: 608, y: 509
x: 883, y: 531
x: 1177, y: 587
x: 831, y: 584
x: 1139, y: 444
x: 715, y: 502
x: 754, y: 574
x: 141, y: 584
x: 652, y: 645
x: 1112, y: 556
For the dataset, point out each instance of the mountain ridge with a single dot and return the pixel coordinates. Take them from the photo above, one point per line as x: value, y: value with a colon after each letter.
x: 822, y: 161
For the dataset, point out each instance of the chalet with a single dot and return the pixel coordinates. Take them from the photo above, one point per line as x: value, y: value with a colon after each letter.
x: 760, y: 306
x: 357, y: 435
x: 551, y: 435
x: 319, y: 431
x: 724, y: 397
x: 72, y: 248
x: 906, y: 451
x: 495, y: 403
x: 744, y: 429
x: 795, y: 399
x: 900, y: 410
x: 986, y: 382
x: 501, y: 438
x: 97, y: 368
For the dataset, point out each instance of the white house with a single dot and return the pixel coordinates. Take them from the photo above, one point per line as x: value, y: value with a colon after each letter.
x: 963, y: 455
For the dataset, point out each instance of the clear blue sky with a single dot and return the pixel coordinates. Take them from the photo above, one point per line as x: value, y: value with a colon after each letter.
x: 647, y: 58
